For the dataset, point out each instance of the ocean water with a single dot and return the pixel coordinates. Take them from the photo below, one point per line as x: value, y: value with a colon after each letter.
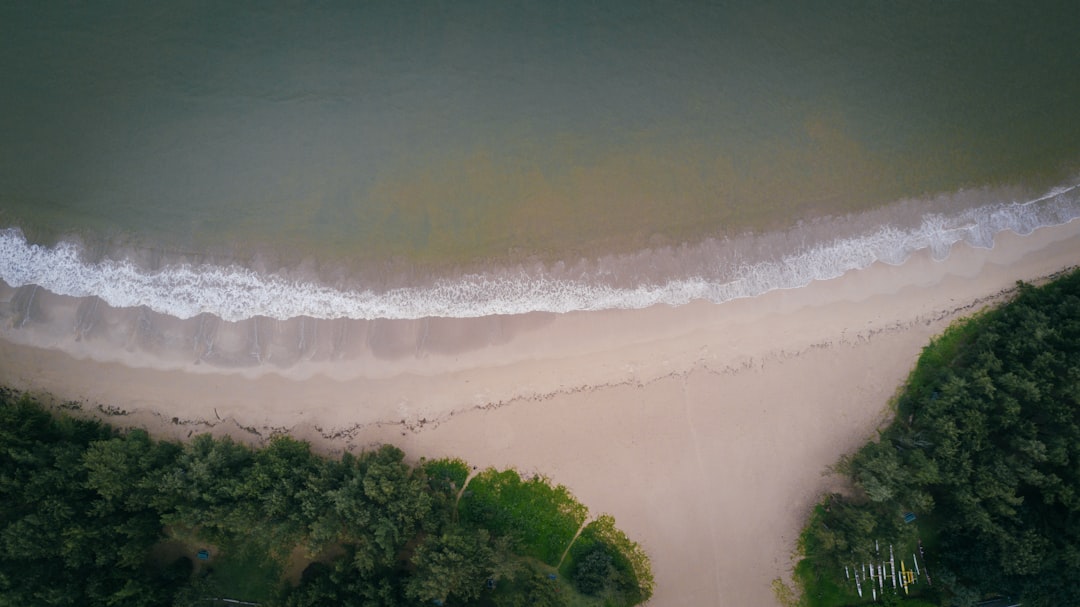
x: 239, y: 161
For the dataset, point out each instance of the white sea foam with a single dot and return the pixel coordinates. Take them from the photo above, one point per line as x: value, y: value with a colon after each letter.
x: 235, y: 293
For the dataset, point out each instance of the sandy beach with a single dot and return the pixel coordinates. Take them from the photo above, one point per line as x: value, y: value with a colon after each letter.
x: 707, y: 430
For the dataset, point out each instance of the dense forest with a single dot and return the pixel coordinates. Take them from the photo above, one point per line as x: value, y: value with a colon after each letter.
x: 91, y: 515
x: 977, y: 479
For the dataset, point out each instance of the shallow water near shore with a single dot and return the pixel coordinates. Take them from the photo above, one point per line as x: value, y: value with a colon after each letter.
x: 714, y: 270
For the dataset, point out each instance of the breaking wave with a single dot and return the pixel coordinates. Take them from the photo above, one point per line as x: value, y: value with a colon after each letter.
x: 234, y: 292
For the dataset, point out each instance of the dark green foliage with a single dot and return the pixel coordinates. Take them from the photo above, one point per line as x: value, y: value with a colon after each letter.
x: 455, y: 564
x: 594, y: 572
x: 342, y: 584
x: 529, y: 586
x: 245, y: 570
x: 986, y: 439
x: 61, y: 541
x: 90, y: 516
x: 604, y: 562
x: 205, y: 487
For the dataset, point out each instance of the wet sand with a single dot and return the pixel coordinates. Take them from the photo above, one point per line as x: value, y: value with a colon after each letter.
x: 707, y: 430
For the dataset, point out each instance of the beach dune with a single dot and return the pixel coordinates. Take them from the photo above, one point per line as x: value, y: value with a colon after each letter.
x: 707, y: 430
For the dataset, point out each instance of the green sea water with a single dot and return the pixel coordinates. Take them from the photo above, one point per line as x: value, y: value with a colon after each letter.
x: 430, y: 134
x: 456, y: 131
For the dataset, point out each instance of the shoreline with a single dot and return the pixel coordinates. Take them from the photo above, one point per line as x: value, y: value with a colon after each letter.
x: 705, y: 429
x: 159, y: 291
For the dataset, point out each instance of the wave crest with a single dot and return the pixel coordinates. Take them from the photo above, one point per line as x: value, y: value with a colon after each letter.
x: 234, y: 292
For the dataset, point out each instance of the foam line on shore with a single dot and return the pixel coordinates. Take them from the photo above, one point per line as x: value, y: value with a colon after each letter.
x: 234, y: 292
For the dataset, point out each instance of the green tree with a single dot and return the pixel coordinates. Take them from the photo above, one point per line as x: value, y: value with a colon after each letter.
x: 986, y: 439
x: 453, y: 565
x: 594, y: 572
x: 530, y: 588
x: 84, y: 511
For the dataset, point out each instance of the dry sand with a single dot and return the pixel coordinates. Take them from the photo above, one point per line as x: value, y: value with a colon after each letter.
x: 706, y: 430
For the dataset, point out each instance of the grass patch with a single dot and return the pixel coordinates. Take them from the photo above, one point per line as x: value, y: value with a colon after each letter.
x: 541, y: 518
x: 241, y: 570
x: 245, y: 572
x: 820, y: 590
x: 180, y: 542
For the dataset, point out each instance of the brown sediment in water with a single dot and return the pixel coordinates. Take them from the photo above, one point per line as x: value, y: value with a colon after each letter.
x: 706, y: 430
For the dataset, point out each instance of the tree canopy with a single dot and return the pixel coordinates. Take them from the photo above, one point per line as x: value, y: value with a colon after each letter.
x: 92, y: 515
x: 984, y: 449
